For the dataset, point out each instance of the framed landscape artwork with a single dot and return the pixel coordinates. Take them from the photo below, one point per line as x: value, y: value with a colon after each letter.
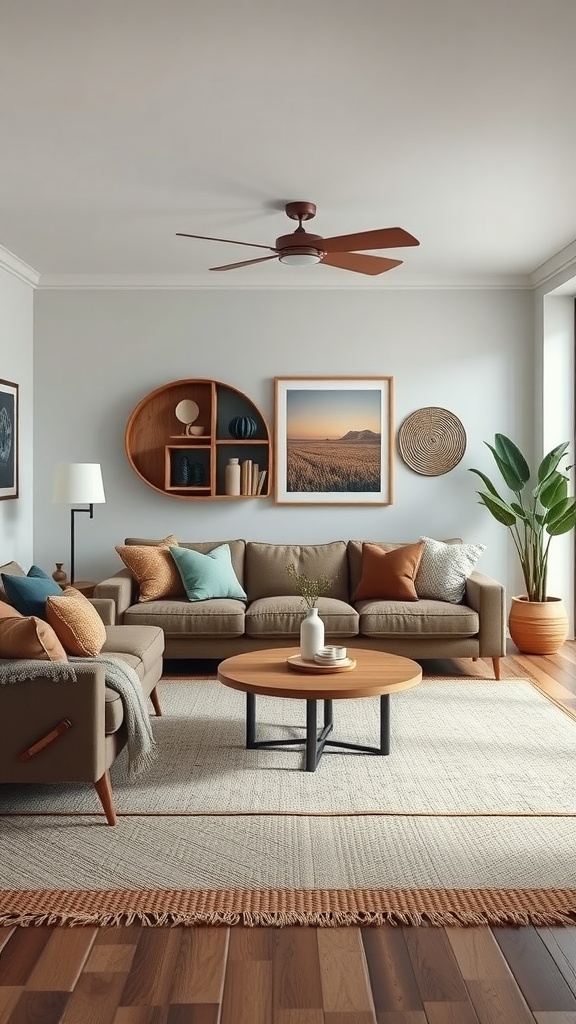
x: 8, y: 440
x: 333, y: 440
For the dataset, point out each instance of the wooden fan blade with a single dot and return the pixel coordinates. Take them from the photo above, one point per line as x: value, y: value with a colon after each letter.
x: 359, y: 263
x: 245, y: 263
x: 383, y: 238
x: 232, y: 241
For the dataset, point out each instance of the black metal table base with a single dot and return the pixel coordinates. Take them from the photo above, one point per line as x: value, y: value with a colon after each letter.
x: 317, y: 739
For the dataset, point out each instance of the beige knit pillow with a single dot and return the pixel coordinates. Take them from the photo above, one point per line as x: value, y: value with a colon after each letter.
x: 154, y: 569
x: 76, y: 623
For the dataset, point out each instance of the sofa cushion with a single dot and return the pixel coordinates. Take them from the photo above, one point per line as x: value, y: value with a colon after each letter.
x: 267, y: 564
x: 389, y: 575
x: 416, y: 619
x: 76, y: 623
x: 282, y: 616
x: 29, y: 637
x: 153, y: 568
x: 136, y: 646
x: 444, y: 569
x: 222, y: 617
x: 207, y: 576
x: 28, y: 593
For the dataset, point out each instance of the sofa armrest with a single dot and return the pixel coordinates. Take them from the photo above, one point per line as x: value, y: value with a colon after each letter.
x: 31, y: 708
x: 488, y: 597
x: 119, y: 588
x: 106, y: 609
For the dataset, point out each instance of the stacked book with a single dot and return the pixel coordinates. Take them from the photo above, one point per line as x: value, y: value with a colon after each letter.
x: 251, y: 477
x: 331, y: 655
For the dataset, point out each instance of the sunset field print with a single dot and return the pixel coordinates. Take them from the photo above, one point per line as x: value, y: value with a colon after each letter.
x: 333, y: 440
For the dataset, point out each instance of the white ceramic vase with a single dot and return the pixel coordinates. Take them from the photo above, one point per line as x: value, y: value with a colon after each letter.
x: 232, y: 477
x: 311, y: 635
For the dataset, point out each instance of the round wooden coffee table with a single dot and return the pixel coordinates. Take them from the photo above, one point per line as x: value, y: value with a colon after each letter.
x: 376, y: 674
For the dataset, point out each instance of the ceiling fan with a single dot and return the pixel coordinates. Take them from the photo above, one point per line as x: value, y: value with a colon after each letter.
x: 301, y: 248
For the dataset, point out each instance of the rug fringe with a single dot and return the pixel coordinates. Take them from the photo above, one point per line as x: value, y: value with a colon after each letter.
x: 283, y: 919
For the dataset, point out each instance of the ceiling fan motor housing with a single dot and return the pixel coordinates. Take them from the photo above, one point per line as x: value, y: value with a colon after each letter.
x: 300, y: 243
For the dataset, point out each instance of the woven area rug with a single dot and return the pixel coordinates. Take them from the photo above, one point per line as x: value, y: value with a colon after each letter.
x: 470, y: 819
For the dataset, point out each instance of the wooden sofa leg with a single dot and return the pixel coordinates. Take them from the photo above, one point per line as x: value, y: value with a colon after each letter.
x: 156, y: 702
x: 496, y: 663
x: 104, y: 790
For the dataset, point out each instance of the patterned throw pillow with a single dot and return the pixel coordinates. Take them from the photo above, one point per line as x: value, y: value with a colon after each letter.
x: 207, y: 576
x: 153, y: 569
x: 76, y: 623
x: 389, y: 575
x: 445, y: 568
x: 29, y: 638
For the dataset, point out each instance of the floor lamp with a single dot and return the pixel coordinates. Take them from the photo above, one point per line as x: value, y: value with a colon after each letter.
x: 78, y: 482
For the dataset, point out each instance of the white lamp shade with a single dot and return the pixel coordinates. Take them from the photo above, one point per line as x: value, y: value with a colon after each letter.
x: 78, y: 482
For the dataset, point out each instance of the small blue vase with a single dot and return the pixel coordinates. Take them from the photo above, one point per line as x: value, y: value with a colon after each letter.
x: 242, y: 427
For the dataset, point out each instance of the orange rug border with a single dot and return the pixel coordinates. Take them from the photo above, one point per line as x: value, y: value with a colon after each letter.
x: 285, y: 907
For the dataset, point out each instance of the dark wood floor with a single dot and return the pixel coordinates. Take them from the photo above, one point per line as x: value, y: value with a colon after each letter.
x: 243, y: 975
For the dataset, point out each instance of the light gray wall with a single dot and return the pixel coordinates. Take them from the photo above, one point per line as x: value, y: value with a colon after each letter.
x: 97, y: 353
x: 16, y: 347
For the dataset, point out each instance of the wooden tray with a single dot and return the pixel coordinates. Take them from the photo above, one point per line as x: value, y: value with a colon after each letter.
x: 297, y: 664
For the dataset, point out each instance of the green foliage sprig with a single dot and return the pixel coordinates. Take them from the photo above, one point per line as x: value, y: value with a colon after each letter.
x: 546, y: 510
x: 310, y: 589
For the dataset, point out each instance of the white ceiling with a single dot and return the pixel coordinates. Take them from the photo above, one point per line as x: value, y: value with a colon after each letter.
x: 124, y: 121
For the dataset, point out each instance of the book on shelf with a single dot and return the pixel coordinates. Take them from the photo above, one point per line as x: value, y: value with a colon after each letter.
x: 246, y: 477
x: 254, y: 480
x: 261, y: 479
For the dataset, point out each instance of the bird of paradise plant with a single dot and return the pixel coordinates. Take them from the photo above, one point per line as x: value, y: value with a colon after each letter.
x: 538, y: 513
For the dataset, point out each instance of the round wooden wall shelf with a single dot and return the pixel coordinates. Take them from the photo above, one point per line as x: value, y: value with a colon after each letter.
x: 187, y: 460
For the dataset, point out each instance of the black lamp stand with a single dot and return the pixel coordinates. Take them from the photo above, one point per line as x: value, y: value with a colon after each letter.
x: 90, y: 511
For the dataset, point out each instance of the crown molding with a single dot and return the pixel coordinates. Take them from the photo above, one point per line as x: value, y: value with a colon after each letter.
x: 14, y: 265
x: 169, y: 282
x: 561, y: 263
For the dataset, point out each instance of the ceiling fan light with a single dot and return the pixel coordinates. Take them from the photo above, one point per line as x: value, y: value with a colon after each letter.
x: 300, y: 259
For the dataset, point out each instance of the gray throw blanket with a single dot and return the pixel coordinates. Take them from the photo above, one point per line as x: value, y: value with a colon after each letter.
x: 119, y: 677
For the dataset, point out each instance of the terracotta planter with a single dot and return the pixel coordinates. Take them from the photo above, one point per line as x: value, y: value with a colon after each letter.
x: 538, y: 627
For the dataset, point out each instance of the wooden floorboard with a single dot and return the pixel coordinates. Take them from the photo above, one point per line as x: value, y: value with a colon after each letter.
x: 241, y: 975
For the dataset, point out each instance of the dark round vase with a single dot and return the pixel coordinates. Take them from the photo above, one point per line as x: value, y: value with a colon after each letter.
x: 242, y: 427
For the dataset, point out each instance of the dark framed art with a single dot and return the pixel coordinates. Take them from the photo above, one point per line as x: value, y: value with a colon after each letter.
x: 8, y: 439
x: 333, y: 440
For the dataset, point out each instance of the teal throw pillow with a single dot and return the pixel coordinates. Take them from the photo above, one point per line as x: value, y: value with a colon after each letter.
x: 36, y: 571
x: 28, y: 593
x: 207, y: 576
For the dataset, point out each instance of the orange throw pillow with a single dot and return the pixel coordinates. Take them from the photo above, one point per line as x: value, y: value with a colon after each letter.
x: 389, y: 575
x: 8, y: 611
x: 76, y: 623
x: 154, y: 569
x: 29, y: 637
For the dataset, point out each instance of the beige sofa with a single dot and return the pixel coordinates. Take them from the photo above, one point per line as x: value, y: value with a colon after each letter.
x: 272, y: 614
x: 31, y: 709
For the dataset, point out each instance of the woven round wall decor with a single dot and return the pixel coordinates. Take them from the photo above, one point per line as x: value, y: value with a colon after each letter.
x: 432, y: 441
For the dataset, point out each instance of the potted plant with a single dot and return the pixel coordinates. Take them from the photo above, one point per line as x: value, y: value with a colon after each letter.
x: 540, y: 509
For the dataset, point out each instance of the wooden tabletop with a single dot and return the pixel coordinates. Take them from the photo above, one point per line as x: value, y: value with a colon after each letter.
x: 267, y: 673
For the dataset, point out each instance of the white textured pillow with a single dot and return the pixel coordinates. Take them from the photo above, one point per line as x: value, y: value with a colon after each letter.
x: 444, y: 569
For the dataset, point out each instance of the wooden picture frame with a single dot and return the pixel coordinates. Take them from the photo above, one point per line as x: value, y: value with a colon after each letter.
x: 9, y: 439
x: 333, y: 440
